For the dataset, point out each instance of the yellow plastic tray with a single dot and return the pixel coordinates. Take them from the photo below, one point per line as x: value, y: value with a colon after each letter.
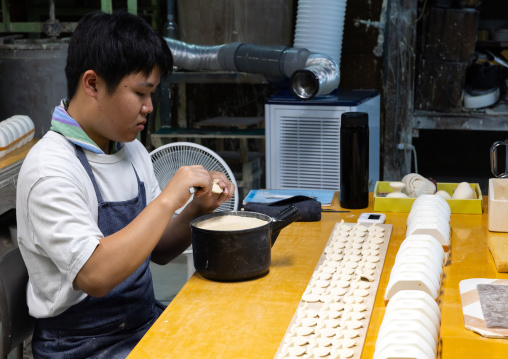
x: 464, y: 206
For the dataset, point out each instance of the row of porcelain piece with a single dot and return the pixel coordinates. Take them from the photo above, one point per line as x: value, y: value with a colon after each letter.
x: 421, y: 258
x: 410, y: 327
x: 15, y: 132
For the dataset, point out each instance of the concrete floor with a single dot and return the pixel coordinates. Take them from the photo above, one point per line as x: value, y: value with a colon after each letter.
x: 167, y: 280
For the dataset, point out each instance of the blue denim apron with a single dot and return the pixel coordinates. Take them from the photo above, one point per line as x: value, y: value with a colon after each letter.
x: 107, y: 327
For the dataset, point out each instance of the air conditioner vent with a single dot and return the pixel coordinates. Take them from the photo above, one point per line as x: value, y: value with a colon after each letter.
x: 309, y: 152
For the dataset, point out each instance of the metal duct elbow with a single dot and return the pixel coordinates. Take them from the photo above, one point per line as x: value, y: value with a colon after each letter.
x: 311, y: 74
x: 320, y: 76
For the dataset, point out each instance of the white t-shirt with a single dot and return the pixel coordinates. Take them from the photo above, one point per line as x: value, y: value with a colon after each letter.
x: 56, y: 209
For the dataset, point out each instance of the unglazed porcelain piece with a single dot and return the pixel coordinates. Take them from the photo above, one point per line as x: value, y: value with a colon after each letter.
x: 340, y: 295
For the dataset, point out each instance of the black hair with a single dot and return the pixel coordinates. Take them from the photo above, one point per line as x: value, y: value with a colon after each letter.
x: 114, y: 46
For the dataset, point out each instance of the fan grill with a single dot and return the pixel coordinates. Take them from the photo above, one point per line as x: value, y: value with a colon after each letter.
x: 309, y: 152
x: 166, y: 161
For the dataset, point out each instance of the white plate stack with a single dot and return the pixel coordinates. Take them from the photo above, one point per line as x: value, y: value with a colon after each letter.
x: 15, y: 132
x: 320, y: 26
x: 410, y: 327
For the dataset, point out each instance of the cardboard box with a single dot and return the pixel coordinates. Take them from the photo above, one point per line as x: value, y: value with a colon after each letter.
x: 464, y: 206
x: 498, y: 204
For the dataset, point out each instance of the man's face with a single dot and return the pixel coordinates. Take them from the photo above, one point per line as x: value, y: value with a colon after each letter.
x: 122, y: 114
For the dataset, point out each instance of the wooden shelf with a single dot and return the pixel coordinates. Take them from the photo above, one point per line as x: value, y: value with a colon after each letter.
x: 475, y: 121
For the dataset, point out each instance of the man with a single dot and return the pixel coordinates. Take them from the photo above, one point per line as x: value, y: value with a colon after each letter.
x: 90, y: 213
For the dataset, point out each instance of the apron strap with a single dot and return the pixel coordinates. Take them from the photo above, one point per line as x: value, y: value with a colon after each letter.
x: 84, y: 161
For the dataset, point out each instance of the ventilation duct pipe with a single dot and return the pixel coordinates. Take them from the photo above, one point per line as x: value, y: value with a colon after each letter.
x: 310, y: 74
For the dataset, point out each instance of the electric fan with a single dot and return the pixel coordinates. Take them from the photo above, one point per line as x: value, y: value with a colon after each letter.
x: 169, y: 158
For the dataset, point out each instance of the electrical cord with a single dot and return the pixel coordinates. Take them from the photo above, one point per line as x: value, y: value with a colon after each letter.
x: 406, y: 147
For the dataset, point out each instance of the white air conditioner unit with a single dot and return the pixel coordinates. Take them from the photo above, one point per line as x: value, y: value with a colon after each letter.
x: 303, y: 139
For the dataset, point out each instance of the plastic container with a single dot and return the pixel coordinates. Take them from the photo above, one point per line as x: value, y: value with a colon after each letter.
x: 463, y: 206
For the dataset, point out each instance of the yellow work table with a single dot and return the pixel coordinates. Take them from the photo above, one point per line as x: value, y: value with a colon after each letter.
x: 249, y: 319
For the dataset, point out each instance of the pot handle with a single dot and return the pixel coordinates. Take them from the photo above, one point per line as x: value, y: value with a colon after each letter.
x: 283, y: 219
x: 493, y: 159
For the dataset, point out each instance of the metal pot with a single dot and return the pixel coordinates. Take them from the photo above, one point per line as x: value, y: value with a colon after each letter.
x: 237, y: 254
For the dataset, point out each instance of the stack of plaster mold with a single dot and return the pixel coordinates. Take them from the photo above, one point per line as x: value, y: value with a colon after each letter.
x: 418, y: 265
x: 410, y: 327
x: 430, y: 214
x: 422, y: 256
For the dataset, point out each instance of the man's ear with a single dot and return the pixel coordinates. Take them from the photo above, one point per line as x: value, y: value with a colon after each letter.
x: 89, y: 83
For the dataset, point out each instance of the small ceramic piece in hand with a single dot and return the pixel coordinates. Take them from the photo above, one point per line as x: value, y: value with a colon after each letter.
x: 216, y: 188
x: 463, y: 191
x: 397, y: 190
x: 443, y: 194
